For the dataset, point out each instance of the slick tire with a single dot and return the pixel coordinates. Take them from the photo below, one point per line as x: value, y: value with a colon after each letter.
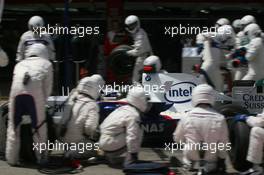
x: 238, y: 135
x: 121, y: 63
x: 240, y: 144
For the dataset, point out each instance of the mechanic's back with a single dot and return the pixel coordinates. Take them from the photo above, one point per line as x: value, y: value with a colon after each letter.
x: 202, y: 129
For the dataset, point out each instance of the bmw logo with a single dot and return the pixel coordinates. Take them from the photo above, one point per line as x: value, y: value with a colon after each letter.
x: 147, y: 78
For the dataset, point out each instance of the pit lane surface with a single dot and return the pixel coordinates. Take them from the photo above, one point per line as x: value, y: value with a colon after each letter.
x: 158, y: 154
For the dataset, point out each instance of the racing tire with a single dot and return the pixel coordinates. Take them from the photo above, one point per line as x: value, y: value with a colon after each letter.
x: 240, y: 144
x: 238, y: 135
x: 230, y: 110
x: 121, y: 63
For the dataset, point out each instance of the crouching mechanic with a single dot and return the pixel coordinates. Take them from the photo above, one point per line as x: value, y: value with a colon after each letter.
x: 141, y: 47
x: 98, y: 78
x: 203, y: 126
x: 32, y: 84
x: 84, y: 120
x: 255, y: 149
x: 121, y: 131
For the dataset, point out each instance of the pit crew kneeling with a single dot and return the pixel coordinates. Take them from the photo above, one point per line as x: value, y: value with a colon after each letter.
x: 255, y: 149
x: 83, y: 122
x: 203, y: 126
x: 121, y: 131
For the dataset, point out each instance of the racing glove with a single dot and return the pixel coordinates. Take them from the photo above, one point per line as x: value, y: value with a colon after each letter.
x: 240, y: 61
x: 240, y: 117
x: 196, y: 68
x: 95, y: 135
x: 241, y: 52
x: 239, y: 57
x: 200, y: 48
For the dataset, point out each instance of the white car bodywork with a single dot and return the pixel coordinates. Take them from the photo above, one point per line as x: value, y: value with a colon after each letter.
x: 177, y: 88
x: 174, y: 88
x: 249, y: 98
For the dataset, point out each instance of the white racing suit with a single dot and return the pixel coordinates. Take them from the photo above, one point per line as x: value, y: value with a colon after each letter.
x: 72, y: 96
x: 202, y: 125
x: 241, y: 41
x: 82, y: 126
x: 29, y: 99
x: 29, y: 38
x: 142, y: 49
x: 255, y: 58
x: 256, y: 143
x: 212, y: 57
x: 121, y: 131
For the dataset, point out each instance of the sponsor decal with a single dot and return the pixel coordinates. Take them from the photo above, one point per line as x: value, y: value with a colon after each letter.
x: 148, y: 78
x: 253, y: 101
x: 180, y: 92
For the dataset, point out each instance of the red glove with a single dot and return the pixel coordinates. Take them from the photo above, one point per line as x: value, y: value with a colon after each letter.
x: 196, y: 68
x: 236, y: 63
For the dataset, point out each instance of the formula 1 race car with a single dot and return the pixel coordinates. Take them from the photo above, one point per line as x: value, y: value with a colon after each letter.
x: 168, y: 107
x: 171, y: 98
x: 157, y: 128
x: 247, y: 98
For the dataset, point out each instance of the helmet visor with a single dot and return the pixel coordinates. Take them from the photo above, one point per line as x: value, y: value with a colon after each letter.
x: 149, y: 69
x: 132, y: 26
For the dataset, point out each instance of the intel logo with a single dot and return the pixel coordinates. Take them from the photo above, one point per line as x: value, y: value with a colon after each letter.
x: 180, y: 92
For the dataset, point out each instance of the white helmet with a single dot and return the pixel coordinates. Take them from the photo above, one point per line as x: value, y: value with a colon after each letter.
x: 248, y: 19
x: 222, y: 21
x: 225, y: 34
x: 203, y: 94
x: 100, y: 82
x: 37, y: 50
x: 99, y: 79
x: 132, y: 23
x: 138, y: 98
x: 89, y: 86
x: 252, y: 31
x: 3, y: 58
x: 237, y: 24
x: 152, y: 64
x: 35, y: 22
